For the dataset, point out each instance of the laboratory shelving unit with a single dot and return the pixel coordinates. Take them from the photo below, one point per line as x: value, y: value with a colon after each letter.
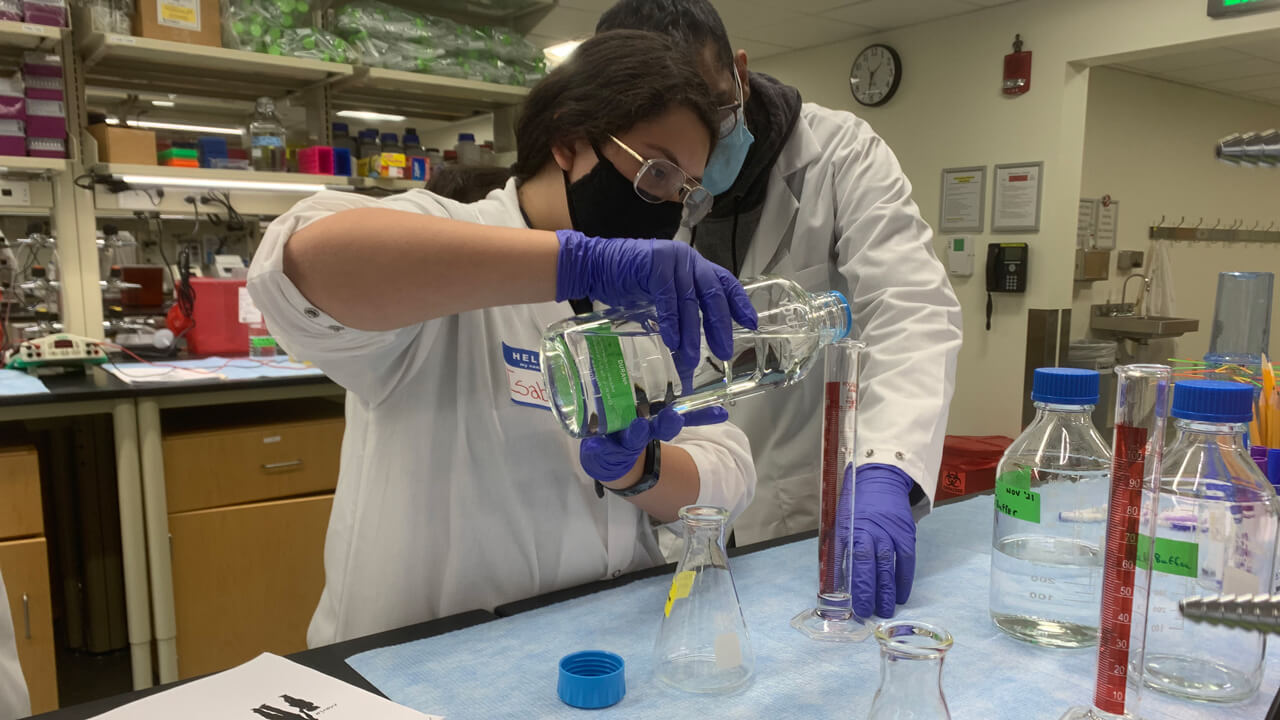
x: 60, y: 189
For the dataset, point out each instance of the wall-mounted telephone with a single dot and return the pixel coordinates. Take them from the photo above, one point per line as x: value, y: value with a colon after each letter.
x: 1007, y: 267
x: 1006, y: 271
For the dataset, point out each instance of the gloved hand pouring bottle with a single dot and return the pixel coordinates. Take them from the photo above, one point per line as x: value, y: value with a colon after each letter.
x: 605, y: 369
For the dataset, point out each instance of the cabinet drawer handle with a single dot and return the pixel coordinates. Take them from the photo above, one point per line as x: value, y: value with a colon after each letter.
x: 279, y: 465
x: 26, y: 614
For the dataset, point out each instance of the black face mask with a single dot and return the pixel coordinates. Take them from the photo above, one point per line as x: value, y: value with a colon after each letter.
x: 604, y: 203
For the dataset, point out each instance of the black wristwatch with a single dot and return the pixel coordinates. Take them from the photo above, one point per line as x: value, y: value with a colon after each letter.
x: 648, y: 478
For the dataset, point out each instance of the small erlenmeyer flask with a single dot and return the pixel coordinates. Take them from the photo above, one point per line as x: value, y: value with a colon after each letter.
x: 703, y: 645
x: 911, y: 655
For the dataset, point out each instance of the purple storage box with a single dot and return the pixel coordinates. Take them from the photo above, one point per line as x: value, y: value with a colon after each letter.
x: 41, y: 64
x: 13, y: 145
x: 13, y: 107
x: 42, y: 87
x: 46, y: 119
x: 43, y: 94
x: 46, y: 147
x: 42, y: 13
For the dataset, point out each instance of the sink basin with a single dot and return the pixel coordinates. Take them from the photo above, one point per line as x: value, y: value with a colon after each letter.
x: 1143, y: 326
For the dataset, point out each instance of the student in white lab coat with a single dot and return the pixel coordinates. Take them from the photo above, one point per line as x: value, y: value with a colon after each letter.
x: 458, y: 489
x: 14, y: 702
x: 816, y: 195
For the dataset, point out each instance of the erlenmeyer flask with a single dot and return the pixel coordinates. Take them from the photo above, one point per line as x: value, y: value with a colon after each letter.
x: 911, y: 655
x: 703, y: 645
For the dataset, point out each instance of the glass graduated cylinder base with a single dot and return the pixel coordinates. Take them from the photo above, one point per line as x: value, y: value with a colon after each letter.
x: 832, y: 625
x: 1088, y: 713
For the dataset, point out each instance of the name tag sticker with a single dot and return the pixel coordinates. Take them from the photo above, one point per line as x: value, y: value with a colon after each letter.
x: 524, y: 377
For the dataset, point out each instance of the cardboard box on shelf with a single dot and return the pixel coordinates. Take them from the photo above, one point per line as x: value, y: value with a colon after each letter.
x: 124, y: 145
x: 184, y: 21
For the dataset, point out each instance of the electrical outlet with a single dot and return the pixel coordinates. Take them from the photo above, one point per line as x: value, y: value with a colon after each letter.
x: 15, y: 192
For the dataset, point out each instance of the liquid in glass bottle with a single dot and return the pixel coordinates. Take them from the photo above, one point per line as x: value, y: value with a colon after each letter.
x: 1215, y: 534
x: 1050, y: 517
x: 607, y: 368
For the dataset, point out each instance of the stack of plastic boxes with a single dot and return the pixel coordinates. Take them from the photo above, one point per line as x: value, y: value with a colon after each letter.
x: 39, y: 12
x: 46, y: 111
x: 13, y: 115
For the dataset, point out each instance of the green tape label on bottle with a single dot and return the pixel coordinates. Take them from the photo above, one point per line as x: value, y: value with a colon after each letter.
x: 1015, y: 498
x: 609, y: 369
x: 262, y: 341
x: 1172, y: 557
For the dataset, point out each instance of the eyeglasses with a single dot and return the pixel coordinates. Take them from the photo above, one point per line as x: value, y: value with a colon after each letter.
x: 660, y: 180
x: 728, y: 114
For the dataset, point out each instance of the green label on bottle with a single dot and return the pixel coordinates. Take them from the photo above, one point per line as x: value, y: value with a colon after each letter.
x: 1015, y: 498
x: 617, y: 403
x: 1172, y: 557
x: 262, y: 341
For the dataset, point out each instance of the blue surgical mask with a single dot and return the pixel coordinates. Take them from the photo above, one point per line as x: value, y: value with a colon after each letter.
x: 726, y: 160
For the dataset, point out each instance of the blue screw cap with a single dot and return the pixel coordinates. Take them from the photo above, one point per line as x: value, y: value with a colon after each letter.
x: 592, y: 679
x: 1065, y: 386
x: 1213, y: 401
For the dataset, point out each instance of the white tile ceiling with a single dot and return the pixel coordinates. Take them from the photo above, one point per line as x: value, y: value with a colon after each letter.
x: 1246, y: 68
x: 770, y: 27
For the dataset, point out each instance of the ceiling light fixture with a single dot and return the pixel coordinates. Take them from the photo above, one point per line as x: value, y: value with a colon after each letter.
x: 559, y: 52
x: 154, y: 125
x: 220, y: 184
x: 372, y: 116
x: 163, y: 103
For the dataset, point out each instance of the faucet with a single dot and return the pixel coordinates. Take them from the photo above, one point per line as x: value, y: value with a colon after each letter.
x: 1146, y: 287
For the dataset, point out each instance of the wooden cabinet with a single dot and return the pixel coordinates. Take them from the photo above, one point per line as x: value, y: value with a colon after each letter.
x: 246, y: 579
x: 24, y: 563
x: 20, y: 513
x: 216, y: 468
x: 25, y: 567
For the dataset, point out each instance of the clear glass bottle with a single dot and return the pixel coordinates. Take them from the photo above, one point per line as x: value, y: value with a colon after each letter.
x: 1050, y: 517
x: 1215, y: 534
x: 911, y: 656
x: 703, y: 645
x: 267, y: 138
x: 605, y: 369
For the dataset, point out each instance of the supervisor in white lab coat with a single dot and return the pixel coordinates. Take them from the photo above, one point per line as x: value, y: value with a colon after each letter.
x: 814, y: 194
x: 458, y: 489
x: 14, y: 702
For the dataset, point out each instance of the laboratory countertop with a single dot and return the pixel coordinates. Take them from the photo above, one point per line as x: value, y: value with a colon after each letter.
x: 332, y: 659
x: 502, y: 664
x: 98, y: 384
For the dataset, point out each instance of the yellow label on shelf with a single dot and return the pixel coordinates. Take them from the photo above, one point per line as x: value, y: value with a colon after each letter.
x: 680, y: 587
x: 182, y: 14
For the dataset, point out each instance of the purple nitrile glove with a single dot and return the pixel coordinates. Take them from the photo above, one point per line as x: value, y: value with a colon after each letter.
x: 671, y: 276
x: 884, y: 538
x: 608, y: 457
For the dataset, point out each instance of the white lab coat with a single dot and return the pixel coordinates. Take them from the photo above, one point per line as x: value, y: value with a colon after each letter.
x: 838, y: 215
x: 451, y: 496
x: 14, y: 702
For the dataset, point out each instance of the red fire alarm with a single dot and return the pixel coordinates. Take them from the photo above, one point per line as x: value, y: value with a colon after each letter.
x: 1017, y: 69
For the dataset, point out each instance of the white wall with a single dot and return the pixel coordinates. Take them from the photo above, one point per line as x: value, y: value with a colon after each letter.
x: 949, y: 112
x: 1148, y: 143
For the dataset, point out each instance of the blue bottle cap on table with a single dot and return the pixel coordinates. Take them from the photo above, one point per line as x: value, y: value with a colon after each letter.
x: 1213, y: 401
x: 390, y: 137
x: 341, y: 129
x: 592, y: 679
x: 1065, y: 386
x: 466, y: 137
